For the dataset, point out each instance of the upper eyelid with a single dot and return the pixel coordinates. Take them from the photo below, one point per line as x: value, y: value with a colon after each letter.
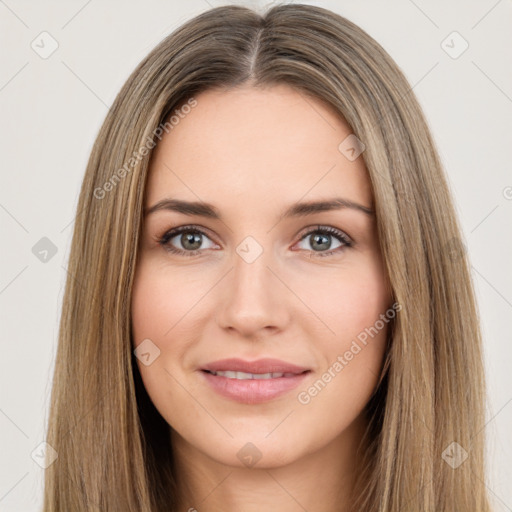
x: 304, y: 232
x: 188, y: 227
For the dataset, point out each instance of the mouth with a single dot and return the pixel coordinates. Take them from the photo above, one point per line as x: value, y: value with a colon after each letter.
x: 253, y: 382
x: 246, y: 376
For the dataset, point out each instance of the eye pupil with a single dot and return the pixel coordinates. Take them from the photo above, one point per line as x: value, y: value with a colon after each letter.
x: 191, y: 238
x: 323, y: 240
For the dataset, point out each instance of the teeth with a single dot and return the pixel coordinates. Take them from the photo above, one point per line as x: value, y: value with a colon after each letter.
x: 245, y: 376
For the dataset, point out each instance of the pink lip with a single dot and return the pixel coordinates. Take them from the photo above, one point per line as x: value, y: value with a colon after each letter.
x: 254, y: 391
x: 266, y: 365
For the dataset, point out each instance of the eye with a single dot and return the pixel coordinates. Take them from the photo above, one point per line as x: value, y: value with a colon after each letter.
x: 320, y: 239
x: 189, y: 237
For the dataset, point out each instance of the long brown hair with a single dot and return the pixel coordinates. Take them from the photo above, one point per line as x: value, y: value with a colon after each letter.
x: 113, y: 446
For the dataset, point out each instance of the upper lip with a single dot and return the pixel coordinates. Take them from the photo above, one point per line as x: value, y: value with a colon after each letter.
x: 260, y: 366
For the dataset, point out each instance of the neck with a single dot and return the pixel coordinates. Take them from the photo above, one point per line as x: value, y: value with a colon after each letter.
x: 321, y: 480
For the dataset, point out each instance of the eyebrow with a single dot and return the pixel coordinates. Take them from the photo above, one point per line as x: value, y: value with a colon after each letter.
x: 203, y: 209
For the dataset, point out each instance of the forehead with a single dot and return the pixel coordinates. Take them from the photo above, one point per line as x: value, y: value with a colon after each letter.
x: 266, y: 146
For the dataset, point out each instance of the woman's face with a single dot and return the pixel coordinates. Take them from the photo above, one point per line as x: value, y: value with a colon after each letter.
x: 247, y: 282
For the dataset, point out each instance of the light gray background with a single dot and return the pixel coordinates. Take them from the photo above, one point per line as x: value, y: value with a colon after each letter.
x: 51, y: 110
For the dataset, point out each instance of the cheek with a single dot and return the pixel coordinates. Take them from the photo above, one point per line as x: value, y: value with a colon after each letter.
x: 159, y: 302
x: 356, y: 308
x: 351, y: 359
x: 157, y: 308
x: 349, y: 305
x: 154, y: 314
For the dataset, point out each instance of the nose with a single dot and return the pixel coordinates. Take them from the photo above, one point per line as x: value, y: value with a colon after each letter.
x: 253, y: 301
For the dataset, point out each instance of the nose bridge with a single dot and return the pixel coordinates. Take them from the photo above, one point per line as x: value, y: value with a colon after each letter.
x: 251, y: 275
x: 250, y: 266
x: 252, y: 298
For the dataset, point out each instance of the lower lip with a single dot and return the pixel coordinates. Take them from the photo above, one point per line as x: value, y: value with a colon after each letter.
x: 253, y: 391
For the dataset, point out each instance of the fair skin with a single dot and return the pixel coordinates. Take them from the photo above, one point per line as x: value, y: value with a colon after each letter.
x: 252, y: 153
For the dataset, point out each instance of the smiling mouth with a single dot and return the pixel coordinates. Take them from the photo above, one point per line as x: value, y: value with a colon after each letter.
x: 252, y: 388
x: 253, y: 376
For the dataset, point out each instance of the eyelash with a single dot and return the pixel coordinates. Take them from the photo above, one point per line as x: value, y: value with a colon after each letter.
x: 342, y: 237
